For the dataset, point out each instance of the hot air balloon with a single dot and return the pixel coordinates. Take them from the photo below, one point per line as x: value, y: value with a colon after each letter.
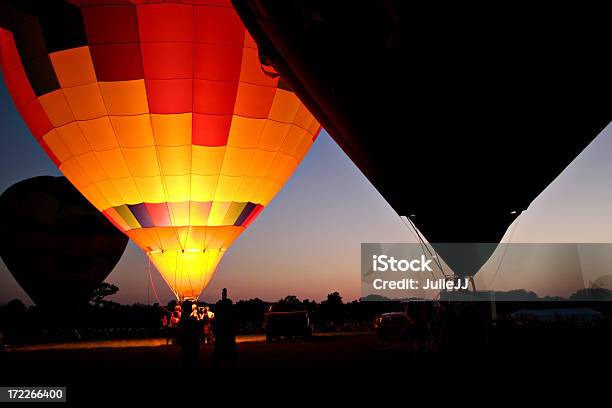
x: 56, y: 244
x: 161, y: 115
x: 460, y: 115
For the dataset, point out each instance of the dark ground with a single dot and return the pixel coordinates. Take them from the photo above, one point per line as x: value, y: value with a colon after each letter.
x: 349, y: 366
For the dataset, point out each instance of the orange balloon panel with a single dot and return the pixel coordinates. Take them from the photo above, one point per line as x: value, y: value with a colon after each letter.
x: 161, y: 115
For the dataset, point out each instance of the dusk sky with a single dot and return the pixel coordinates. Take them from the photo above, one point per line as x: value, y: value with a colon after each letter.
x: 307, y: 241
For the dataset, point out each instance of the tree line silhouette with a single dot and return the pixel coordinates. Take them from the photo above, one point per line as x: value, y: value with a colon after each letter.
x: 102, y: 318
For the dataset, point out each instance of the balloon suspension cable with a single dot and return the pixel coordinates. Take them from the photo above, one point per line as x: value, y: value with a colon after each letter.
x: 415, y: 232
x: 153, y: 286
x: 188, y: 279
x: 147, y: 270
x: 505, y: 249
x: 411, y: 227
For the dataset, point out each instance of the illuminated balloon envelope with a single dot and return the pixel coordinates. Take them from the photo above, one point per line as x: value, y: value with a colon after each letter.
x: 161, y: 115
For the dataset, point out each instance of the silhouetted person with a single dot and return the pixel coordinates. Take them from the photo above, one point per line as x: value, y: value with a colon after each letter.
x: 164, y: 327
x: 194, y: 312
x: 224, y: 353
x: 172, y: 328
x: 189, y: 331
x: 207, y: 326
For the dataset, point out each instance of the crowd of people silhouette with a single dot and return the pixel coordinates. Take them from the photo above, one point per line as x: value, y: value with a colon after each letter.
x: 189, y: 326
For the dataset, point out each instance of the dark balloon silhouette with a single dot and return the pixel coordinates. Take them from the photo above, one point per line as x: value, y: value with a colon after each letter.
x: 55, y: 243
x: 459, y: 115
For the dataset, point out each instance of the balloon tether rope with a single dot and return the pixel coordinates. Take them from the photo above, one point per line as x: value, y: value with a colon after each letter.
x: 153, y: 286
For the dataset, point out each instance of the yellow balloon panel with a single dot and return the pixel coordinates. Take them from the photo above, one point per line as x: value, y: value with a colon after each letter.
x: 203, y: 187
x: 187, y: 272
x: 128, y: 190
x: 207, y: 160
x: 178, y: 188
x: 149, y: 190
x: 186, y: 257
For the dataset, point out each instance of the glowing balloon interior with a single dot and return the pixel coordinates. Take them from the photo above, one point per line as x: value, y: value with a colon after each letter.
x: 161, y: 116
